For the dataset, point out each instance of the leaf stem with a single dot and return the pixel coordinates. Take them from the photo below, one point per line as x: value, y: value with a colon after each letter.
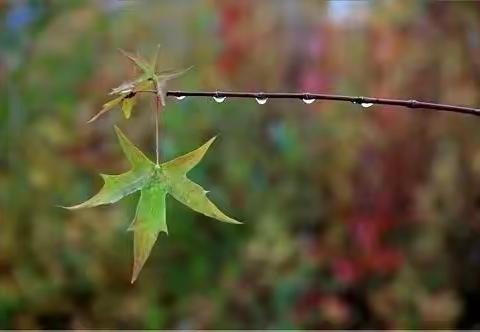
x: 157, y: 115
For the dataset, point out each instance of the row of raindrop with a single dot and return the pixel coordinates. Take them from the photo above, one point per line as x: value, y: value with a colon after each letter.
x: 263, y: 100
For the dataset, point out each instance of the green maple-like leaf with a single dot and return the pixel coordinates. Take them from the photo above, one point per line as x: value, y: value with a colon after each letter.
x: 148, y: 80
x: 154, y: 183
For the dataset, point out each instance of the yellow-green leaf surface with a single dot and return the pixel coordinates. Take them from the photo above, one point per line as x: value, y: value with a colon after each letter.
x: 107, y: 107
x: 140, y: 62
x: 154, y: 183
x: 127, y: 105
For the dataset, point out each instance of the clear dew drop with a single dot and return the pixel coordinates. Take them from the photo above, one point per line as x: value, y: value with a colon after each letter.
x: 219, y: 99
x: 308, y: 101
x: 261, y: 101
x: 366, y: 105
x: 180, y: 97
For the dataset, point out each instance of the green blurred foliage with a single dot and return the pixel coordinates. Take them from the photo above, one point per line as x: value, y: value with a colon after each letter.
x: 354, y: 217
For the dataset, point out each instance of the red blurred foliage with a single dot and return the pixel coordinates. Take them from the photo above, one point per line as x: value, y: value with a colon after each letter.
x: 236, y: 37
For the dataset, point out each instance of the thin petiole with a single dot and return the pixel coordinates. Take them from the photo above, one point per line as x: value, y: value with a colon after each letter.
x: 157, y: 115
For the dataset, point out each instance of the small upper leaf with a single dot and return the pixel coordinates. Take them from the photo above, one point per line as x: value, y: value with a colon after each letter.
x: 148, y: 81
x: 153, y: 63
x: 139, y: 61
x: 106, y: 107
x: 127, y: 105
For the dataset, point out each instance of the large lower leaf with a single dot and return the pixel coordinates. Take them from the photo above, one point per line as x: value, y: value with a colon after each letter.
x: 155, y: 182
x: 116, y: 187
x: 149, y: 221
x: 195, y: 197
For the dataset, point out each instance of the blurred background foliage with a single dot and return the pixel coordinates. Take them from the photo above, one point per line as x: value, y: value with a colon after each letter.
x: 355, y: 218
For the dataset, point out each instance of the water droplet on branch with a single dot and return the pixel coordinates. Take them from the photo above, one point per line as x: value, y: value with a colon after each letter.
x: 308, y: 100
x: 219, y: 99
x: 366, y: 105
x: 261, y: 100
x: 180, y: 97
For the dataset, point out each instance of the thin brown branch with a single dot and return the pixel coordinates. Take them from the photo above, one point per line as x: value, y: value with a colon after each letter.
x: 411, y: 104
